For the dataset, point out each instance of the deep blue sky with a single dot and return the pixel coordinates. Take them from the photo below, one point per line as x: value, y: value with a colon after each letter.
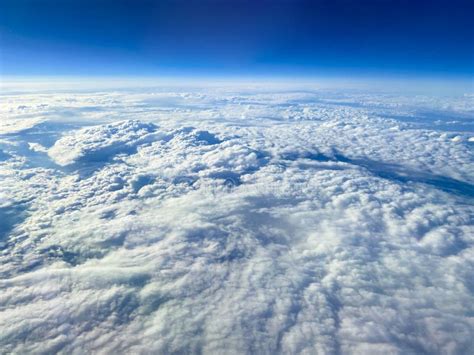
x: 146, y: 37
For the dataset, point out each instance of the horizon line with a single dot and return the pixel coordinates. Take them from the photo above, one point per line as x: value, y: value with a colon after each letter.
x: 410, y: 84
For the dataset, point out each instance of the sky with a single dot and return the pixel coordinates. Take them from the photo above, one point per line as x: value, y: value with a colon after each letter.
x: 260, y: 217
x: 221, y: 37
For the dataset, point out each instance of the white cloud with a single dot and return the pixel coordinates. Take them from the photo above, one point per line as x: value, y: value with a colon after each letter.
x: 98, y: 143
x: 235, y: 222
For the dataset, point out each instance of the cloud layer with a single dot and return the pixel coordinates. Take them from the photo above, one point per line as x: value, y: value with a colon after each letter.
x: 235, y: 221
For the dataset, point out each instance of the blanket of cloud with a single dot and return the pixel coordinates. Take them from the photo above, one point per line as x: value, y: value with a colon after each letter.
x: 236, y: 220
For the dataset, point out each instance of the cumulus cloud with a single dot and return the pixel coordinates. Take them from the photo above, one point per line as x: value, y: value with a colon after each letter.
x: 100, y: 142
x: 235, y: 221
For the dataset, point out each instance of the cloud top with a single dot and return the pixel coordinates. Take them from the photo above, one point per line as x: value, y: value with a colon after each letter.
x: 235, y: 222
x: 99, y: 143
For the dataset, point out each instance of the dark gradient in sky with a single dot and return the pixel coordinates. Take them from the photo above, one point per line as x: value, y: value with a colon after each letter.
x: 140, y: 37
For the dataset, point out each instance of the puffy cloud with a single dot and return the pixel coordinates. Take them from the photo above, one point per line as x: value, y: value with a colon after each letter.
x: 235, y: 222
x: 98, y: 143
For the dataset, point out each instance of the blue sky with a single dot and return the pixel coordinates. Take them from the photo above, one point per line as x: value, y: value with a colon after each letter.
x: 224, y: 37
